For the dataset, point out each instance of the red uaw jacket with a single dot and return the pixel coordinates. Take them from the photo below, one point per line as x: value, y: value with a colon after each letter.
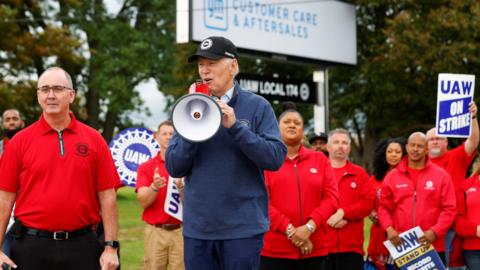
x: 303, y: 188
x: 356, y: 197
x: 468, y: 216
x: 428, y: 202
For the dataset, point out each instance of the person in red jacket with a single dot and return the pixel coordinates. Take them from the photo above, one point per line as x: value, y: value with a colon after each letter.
x: 467, y: 223
x: 356, y: 196
x: 388, y: 154
x: 418, y: 193
x: 456, y: 162
x: 302, y: 195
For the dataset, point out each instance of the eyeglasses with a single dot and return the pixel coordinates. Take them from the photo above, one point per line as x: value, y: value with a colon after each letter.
x: 57, y: 89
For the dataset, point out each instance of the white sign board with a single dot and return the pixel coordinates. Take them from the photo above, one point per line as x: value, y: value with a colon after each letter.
x: 315, y: 30
x: 173, y: 204
x: 411, y: 255
x: 455, y: 92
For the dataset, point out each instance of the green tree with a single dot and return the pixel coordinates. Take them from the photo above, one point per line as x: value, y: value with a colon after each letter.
x: 107, y: 55
x: 402, y: 46
x: 29, y: 42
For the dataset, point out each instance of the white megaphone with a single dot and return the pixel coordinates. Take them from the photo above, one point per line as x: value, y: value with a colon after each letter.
x: 196, y: 117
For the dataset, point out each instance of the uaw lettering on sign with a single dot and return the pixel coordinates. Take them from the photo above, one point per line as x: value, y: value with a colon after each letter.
x: 412, y: 255
x: 130, y: 148
x: 173, y: 204
x: 455, y: 92
x: 279, y: 89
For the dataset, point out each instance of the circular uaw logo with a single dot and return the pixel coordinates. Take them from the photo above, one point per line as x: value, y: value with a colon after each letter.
x: 130, y: 148
x: 313, y: 170
x: 429, y: 184
x: 353, y: 185
x: 304, y: 91
x: 206, y: 44
x: 81, y: 149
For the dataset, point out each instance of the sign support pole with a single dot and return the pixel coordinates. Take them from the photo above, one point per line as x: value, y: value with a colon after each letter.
x: 320, y: 109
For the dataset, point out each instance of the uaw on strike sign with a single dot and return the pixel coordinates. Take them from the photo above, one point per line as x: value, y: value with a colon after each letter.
x: 411, y: 255
x: 455, y: 92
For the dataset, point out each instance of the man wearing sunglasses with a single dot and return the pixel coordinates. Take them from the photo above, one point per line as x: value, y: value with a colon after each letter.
x: 60, y: 174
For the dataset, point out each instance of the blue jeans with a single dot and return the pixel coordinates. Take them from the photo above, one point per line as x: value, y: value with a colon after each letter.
x: 448, y: 244
x: 6, y: 242
x: 472, y: 259
x: 448, y: 249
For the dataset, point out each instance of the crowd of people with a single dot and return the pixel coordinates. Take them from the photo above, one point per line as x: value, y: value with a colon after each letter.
x: 254, y: 195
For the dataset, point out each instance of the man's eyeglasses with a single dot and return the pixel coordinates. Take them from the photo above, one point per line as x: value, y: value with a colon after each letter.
x: 57, y: 89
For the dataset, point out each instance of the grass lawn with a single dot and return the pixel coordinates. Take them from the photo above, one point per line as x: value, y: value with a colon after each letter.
x: 131, y: 229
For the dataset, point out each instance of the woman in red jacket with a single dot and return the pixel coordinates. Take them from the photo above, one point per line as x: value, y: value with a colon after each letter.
x: 303, y: 194
x: 467, y: 223
x: 388, y: 153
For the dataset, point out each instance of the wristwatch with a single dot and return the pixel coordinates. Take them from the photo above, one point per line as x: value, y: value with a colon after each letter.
x: 112, y: 243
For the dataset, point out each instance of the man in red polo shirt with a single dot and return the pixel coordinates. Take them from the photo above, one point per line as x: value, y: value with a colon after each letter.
x: 356, y: 196
x: 60, y: 174
x: 163, y: 234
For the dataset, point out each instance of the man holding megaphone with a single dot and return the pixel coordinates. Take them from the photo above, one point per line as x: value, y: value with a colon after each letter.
x: 226, y: 202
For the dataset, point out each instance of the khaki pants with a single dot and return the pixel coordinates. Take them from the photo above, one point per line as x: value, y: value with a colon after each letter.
x: 163, y: 249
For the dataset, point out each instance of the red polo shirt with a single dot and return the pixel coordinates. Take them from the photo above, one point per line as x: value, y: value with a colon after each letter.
x: 154, y: 214
x: 57, y: 187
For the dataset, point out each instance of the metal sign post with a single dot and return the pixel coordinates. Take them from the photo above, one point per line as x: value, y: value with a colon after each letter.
x: 320, y: 110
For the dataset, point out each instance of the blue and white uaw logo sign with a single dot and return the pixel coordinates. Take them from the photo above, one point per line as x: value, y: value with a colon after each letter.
x: 411, y: 255
x: 130, y: 148
x: 455, y: 92
x: 216, y: 14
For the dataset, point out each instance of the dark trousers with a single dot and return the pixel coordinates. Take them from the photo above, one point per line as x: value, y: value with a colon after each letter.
x: 344, y: 261
x: 314, y: 263
x: 79, y: 253
x: 472, y: 259
x: 234, y: 254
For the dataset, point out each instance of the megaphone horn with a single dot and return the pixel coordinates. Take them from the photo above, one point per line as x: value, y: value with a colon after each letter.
x: 196, y: 117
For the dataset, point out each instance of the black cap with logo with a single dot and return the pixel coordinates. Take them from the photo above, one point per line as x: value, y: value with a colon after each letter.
x: 215, y: 48
x: 320, y: 136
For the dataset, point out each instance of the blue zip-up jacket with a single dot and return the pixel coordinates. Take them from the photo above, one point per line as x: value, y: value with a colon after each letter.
x: 225, y: 193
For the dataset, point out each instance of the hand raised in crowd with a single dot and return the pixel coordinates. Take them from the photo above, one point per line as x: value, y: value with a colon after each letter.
x: 228, y: 114
x: 393, y: 236
x: 472, y: 108
x: 335, y: 218
x: 427, y: 238
x: 306, y: 248
x: 158, y: 181
x: 109, y: 259
x: 5, y: 260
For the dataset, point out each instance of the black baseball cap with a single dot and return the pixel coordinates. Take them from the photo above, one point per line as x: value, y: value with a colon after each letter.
x: 215, y: 48
x: 322, y: 136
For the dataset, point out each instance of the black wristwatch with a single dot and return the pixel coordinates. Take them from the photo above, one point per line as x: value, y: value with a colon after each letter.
x: 112, y: 243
